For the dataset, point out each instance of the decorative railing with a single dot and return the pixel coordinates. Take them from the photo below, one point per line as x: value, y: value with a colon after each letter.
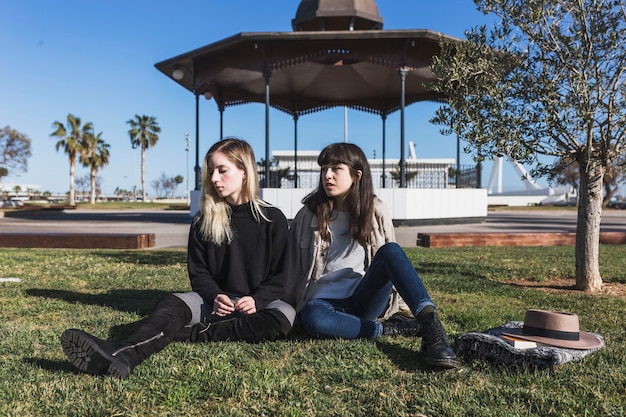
x: 418, y: 175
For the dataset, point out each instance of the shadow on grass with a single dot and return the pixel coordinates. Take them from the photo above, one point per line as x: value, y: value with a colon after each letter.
x: 53, y: 365
x: 406, y: 359
x: 126, y: 301
x: 453, y: 278
x: 140, y: 302
x: 151, y: 257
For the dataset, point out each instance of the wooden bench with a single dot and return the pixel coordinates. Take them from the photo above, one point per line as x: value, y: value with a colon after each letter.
x: 78, y: 240
x: 438, y: 240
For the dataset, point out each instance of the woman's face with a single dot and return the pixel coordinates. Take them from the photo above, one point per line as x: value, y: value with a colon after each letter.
x: 337, y: 180
x: 227, y: 178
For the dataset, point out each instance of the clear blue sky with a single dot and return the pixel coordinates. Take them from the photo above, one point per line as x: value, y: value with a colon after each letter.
x: 95, y: 59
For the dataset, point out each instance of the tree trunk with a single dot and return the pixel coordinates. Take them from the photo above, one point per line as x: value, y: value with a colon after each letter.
x: 72, y: 175
x: 588, y: 226
x: 143, y: 174
x: 93, y: 187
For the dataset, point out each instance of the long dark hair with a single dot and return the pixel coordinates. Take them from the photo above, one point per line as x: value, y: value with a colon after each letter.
x: 359, y: 200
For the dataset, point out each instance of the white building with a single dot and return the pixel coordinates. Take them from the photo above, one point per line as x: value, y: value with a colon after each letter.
x: 421, y: 173
x: 430, y: 196
x: 25, y: 190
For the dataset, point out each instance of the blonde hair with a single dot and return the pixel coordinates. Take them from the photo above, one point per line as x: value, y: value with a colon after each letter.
x: 215, y: 212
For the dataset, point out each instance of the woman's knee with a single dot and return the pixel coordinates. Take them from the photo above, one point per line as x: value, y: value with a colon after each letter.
x: 308, y: 312
x: 278, y: 324
x: 391, y: 249
x: 314, y: 316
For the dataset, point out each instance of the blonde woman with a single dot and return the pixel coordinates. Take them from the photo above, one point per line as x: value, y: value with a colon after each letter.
x: 236, y: 266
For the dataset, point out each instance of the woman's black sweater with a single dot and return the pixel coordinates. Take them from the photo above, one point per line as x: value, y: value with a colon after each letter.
x: 253, y: 264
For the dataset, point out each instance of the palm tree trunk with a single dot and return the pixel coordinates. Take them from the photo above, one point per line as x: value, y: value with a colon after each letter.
x: 72, y: 176
x: 92, y: 200
x: 588, y: 226
x: 143, y: 173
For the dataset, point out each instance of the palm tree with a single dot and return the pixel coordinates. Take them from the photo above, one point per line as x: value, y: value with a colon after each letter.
x: 71, y: 139
x: 143, y: 132
x: 94, y: 155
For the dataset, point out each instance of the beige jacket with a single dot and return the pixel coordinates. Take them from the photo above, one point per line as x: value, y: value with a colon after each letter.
x: 308, y: 252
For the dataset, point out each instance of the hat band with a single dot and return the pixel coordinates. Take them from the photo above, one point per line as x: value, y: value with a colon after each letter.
x: 552, y: 334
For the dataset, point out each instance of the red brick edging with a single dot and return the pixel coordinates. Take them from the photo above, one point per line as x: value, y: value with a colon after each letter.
x: 78, y: 240
x: 438, y: 240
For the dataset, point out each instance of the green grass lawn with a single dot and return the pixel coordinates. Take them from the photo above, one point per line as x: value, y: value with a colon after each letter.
x: 106, y: 291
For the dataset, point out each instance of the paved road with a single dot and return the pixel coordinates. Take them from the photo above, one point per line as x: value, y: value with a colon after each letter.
x: 172, y: 227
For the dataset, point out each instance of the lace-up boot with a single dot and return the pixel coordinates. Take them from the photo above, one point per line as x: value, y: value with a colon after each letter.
x: 436, y: 348
x: 401, y: 325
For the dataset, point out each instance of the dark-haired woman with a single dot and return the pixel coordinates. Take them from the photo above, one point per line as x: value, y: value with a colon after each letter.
x: 346, y: 267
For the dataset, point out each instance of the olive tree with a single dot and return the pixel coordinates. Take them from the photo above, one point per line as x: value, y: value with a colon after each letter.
x: 14, y: 151
x: 546, y: 82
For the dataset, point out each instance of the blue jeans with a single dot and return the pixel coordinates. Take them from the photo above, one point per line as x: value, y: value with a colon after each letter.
x: 355, y: 316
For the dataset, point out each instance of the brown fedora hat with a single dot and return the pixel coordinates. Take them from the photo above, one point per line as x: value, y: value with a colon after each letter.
x: 554, y: 328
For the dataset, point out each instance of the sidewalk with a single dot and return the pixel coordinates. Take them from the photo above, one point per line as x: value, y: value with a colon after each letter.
x: 172, y: 227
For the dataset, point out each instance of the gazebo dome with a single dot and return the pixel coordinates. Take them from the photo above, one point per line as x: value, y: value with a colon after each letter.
x: 329, y: 15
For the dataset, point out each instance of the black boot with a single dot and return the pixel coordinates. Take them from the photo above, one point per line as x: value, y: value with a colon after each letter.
x: 266, y: 325
x: 436, y: 348
x: 190, y: 333
x: 99, y: 357
x: 90, y: 354
x: 401, y: 325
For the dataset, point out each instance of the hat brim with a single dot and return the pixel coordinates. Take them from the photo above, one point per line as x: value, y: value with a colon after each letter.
x: 585, y: 341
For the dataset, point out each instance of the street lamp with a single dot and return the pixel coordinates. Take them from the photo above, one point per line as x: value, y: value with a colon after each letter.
x: 187, y: 175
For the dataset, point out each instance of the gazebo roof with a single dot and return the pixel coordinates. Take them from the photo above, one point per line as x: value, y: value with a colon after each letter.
x: 337, y: 15
x: 337, y: 55
x: 312, y: 70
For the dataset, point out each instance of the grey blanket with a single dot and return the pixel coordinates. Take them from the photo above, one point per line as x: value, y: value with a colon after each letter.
x: 489, y: 347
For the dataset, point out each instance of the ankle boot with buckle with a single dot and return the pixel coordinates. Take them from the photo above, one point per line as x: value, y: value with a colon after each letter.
x: 436, y: 350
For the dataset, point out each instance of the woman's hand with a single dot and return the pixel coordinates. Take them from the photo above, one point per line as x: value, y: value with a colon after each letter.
x: 246, y: 305
x: 222, y: 305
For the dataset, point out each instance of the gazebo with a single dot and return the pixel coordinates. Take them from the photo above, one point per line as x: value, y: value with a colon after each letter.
x: 337, y: 55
